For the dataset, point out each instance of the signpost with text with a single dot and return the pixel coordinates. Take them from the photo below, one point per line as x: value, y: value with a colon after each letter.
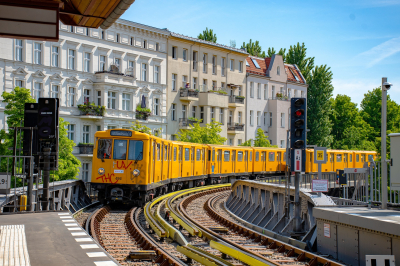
x: 320, y: 157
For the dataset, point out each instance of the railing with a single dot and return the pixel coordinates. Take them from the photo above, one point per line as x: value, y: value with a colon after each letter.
x: 280, y: 96
x: 142, y: 115
x: 184, y: 122
x: 205, y: 88
x: 235, y: 99
x: 85, y: 148
x: 235, y: 126
x: 188, y: 93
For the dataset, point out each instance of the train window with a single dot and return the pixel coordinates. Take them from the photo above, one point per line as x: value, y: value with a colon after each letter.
x: 246, y: 155
x: 240, y: 156
x: 362, y: 158
x: 192, y: 154
x: 233, y: 156
x: 346, y: 157
x: 120, y: 149
x: 104, y: 148
x: 278, y: 156
x: 251, y: 156
x: 135, y: 150
x: 226, y: 156
x: 339, y: 158
x: 165, y: 152
x: 198, y: 155
x: 357, y: 158
x: 174, y: 154
x: 158, y: 151
x: 257, y: 156
x: 263, y: 156
x: 284, y: 156
x: 271, y: 156
x: 187, y: 154
x: 213, y: 155
x: 351, y: 157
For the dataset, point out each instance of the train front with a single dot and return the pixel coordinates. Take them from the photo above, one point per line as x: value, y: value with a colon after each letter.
x: 120, y: 167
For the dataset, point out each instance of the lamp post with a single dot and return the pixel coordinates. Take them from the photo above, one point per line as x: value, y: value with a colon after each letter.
x: 385, y: 87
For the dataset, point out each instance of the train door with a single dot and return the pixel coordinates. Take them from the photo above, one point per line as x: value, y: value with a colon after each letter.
x: 346, y: 160
x: 158, y: 162
x: 220, y: 161
x: 233, y: 169
x: 154, y: 161
x: 264, y: 161
x: 193, y: 163
x: 213, y: 169
x: 332, y: 162
x: 279, y: 159
x: 165, y: 162
x: 180, y: 161
x: 204, y: 162
x: 246, y: 161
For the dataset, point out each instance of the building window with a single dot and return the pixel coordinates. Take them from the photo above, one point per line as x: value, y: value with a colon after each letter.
x: 144, y: 44
x: 71, y: 96
x: 98, y: 128
x: 278, y: 70
x: 174, y: 52
x: 194, y: 61
x: 118, y: 38
x: 202, y: 114
x: 132, y: 40
x: 251, y: 118
x: 99, y: 98
x: 55, y: 55
x: 85, y: 172
x: 223, y: 66
x: 18, y: 50
x: 184, y: 54
x: 156, y: 74
x: 117, y: 62
x: 71, y: 59
x: 270, y: 119
x: 36, y: 91
x: 265, y: 118
x: 183, y: 111
x: 273, y: 92
x: 282, y: 119
x: 259, y: 91
x: 214, y: 85
x: 221, y: 115
x: 103, y: 34
x: 265, y: 92
x: 205, y: 85
x: 251, y: 89
x: 194, y: 111
x: 102, y: 63
x: 223, y: 86
x: 38, y: 53
x: 173, y: 112
x: 55, y: 89
x: 232, y: 65
x: 204, y: 63
x: 87, y: 32
x: 214, y: 65
x: 283, y: 144
x: 157, y: 46
x: 86, y: 134
x: 174, y: 82
x: 86, y: 96
x: 240, y: 90
x: 131, y: 65
x: 258, y: 118
x: 230, y: 117
x: 126, y: 101
x: 289, y: 93
x: 87, y: 62
x: 71, y: 28
x: 71, y: 132
x: 156, y: 106
x: 19, y: 83
x: 240, y: 117
x: 239, y: 143
x: 112, y: 98
x: 240, y: 66
x: 144, y: 72
x: 184, y: 81
x: 212, y: 113
x: 194, y: 83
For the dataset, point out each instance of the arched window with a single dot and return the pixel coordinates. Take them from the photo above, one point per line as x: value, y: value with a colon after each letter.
x: 278, y: 70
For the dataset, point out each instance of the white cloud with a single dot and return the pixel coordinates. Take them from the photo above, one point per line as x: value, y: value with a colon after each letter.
x: 379, y: 52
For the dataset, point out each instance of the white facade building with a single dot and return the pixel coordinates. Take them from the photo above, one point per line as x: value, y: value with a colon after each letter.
x: 270, y: 86
x: 78, y: 69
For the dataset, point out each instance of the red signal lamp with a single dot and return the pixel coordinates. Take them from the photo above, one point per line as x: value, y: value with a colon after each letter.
x: 299, y: 112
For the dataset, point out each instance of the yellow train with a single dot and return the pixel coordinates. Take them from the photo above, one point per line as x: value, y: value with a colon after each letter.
x: 134, y: 167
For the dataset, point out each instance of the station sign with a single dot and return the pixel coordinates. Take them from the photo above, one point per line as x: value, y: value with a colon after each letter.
x: 319, y: 185
x: 320, y: 155
x: 5, y: 183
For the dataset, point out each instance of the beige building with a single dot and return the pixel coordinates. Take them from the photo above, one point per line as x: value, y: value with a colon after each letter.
x: 206, y: 81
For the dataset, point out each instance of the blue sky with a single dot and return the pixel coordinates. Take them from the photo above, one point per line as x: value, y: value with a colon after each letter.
x: 359, y: 40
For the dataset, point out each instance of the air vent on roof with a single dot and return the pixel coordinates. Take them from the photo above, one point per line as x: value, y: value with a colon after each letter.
x: 255, y: 63
x: 247, y: 63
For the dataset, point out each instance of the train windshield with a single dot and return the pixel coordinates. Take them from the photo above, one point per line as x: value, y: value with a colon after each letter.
x: 120, y: 149
x: 104, y: 149
x: 135, y: 150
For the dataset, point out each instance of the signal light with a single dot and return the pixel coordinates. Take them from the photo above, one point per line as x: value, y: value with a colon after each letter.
x: 298, y: 129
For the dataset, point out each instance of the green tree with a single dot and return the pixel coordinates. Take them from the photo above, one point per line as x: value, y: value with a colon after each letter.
x: 209, y: 134
x: 261, y: 139
x: 208, y: 35
x: 247, y: 143
x: 68, y: 164
x: 271, y: 51
x: 136, y: 126
x: 15, y: 107
x: 253, y: 48
x: 319, y: 107
x: 297, y: 54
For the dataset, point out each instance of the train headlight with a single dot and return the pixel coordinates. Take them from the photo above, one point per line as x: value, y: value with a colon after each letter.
x: 101, y: 171
x: 136, y: 172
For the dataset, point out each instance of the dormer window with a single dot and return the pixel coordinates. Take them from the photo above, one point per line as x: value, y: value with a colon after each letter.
x: 278, y: 70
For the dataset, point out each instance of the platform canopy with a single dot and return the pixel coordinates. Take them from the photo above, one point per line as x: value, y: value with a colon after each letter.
x: 39, y: 19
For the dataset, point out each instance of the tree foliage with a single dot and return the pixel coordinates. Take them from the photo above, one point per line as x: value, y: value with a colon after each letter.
x: 253, y: 48
x: 297, y: 54
x: 261, y: 140
x: 208, y: 35
x: 271, y: 51
x: 208, y: 134
x: 15, y: 107
x: 136, y: 126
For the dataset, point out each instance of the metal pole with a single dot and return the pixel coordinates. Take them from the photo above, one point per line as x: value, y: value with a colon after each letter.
x: 383, y: 146
x: 319, y: 176
x: 297, y: 222
x: 46, y: 178
x: 30, y: 174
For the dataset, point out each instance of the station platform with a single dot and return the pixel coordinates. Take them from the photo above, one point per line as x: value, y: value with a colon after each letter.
x: 48, y: 238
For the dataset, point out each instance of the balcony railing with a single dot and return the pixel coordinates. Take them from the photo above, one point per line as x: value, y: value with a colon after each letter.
x: 184, y: 122
x: 188, y: 93
x: 142, y: 115
x: 280, y: 96
x: 85, y: 148
x: 235, y: 99
x: 235, y: 126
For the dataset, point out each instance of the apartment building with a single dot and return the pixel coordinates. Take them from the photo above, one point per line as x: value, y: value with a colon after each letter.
x: 270, y: 85
x: 206, y: 81
x: 119, y: 68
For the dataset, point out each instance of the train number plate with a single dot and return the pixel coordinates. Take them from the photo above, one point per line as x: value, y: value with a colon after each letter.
x: 118, y: 171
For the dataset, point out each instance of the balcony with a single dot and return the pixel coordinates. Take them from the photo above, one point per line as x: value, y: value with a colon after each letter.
x: 217, y: 97
x: 281, y: 97
x: 142, y: 115
x: 185, y: 123
x: 235, y: 128
x: 236, y: 101
x: 85, y: 149
x: 188, y: 95
x: 91, y: 111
